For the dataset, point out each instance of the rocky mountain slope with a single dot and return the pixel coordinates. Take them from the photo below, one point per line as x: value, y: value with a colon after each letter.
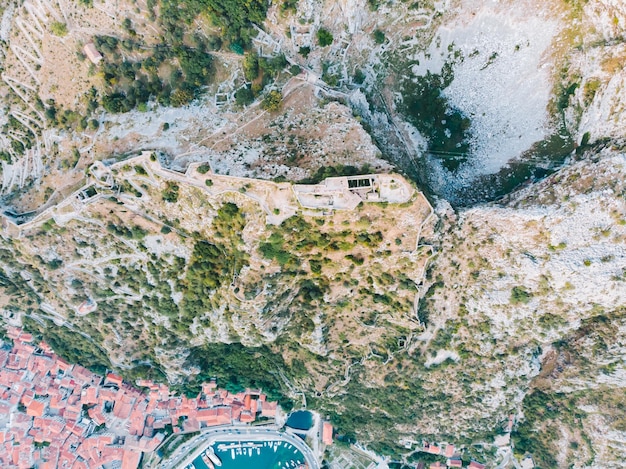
x: 531, y: 294
x: 400, y: 322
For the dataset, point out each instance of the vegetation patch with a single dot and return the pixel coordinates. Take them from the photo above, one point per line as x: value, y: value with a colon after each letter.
x: 324, y: 172
x: 171, y: 192
x: 214, y: 264
x: 519, y: 295
x: 445, y: 128
x: 237, y: 367
x: 71, y: 345
x: 324, y: 37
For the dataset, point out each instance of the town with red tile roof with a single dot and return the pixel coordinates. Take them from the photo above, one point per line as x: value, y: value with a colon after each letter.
x: 57, y: 415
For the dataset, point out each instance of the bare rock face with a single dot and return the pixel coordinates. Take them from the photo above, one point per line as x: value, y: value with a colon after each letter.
x: 543, y: 274
x: 401, y: 322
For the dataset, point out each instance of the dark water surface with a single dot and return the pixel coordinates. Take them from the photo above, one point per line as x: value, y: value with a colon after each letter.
x: 300, y: 420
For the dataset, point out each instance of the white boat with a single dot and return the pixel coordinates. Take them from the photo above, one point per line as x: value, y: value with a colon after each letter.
x: 207, y: 461
x: 214, y: 457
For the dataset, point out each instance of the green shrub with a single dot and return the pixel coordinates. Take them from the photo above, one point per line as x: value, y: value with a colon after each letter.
x: 289, y: 5
x: 204, y: 168
x: 171, y: 192
x: 316, y: 266
x: 58, y: 28
x: 273, y: 249
x: 520, y: 295
x: 181, y: 97
x: 590, y: 89
x: 356, y: 259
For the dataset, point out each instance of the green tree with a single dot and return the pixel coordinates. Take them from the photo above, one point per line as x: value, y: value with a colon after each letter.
x: 289, y: 5
x: 116, y: 102
x: 214, y: 42
x: 359, y: 76
x: 244, y: 96
x: 272, y: 101
x: 324, y: 37
x: 251, y: 66
x: 236, y: 17
x: 196, y: 65
x: 274, y: 65
x: 379, y: 36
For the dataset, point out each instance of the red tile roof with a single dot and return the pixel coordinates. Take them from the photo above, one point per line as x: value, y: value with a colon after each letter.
x: 113, y: 379
x: 476, y: 465
x: 246, y: 417
x: 89, y: 396
x: 67, y: 388
x: 131, y: 459
x: 268, y: 409
x: 438, y: 465
x: 432, y: 449
x: 36, y: 408
x: 449, y: 451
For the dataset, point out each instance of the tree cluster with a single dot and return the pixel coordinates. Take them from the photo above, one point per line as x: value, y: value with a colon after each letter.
x: 171, y: 75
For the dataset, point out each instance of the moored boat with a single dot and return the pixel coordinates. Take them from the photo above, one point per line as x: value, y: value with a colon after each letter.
x: 214, y: 457
x: 207, y: 461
